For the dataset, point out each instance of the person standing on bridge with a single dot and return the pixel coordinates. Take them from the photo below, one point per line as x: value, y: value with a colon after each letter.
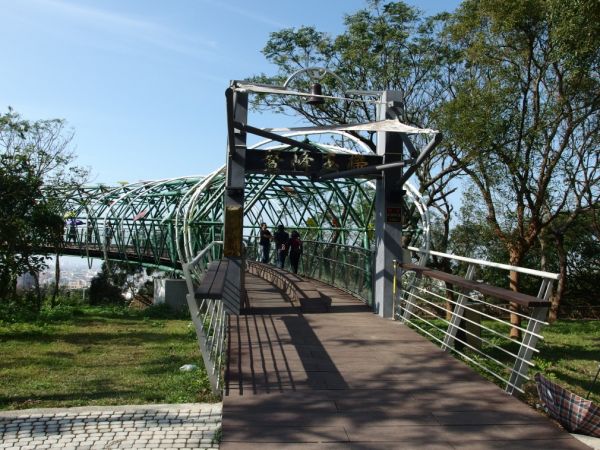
x: 89, y: 234
x: 295, y: 250
x: 282, y: 240
x: 108, y: 232
x: 265, y: 242
x: 72, y: 236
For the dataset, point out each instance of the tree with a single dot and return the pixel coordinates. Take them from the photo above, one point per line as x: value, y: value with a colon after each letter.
x: 523, y: 121
x: 109, y: 285
x: 575, y: 253
x: 386, y: 46
x: 103, y: 290
x: 34, y: 156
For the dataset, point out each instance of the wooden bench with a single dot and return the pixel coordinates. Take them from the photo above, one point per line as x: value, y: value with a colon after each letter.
x: 310, y: 299
x: 486, y: 289
x: 213, y: 281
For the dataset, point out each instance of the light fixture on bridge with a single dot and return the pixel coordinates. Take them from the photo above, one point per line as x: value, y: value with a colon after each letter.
x: 315, y: 74
x: 316, y: 92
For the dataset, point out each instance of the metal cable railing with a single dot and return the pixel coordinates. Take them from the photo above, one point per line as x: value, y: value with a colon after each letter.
x: 209, y: 317
x: 346, y: 267
x: 472, y: 319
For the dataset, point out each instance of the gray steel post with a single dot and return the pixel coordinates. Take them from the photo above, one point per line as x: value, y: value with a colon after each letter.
x: 237, y: 112
x: 519, y: 371
x: 529, y: 341
x: 388, y: 204
x: 457, y: 313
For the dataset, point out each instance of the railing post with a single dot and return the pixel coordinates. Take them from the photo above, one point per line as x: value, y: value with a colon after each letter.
x: 530, y: 339
x: 528, y: 343
x: 457, y: 313
x: 408, y: 307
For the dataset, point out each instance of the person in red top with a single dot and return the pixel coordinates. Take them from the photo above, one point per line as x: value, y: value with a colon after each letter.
x: 295, y: 250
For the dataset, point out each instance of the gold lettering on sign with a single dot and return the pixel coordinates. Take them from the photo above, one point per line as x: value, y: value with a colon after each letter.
x: 302, y: 161
x: 358, y: 162
x: 272, y: 159
x: 329, y: 163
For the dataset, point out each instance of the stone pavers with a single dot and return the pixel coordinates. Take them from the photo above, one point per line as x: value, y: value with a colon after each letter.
x: 177, y: 426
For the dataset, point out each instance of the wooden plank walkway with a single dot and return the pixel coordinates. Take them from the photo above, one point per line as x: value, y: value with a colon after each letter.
x: 348, y: 379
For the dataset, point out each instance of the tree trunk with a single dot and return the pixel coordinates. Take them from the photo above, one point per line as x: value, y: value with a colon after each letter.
x: 515, y: 319
x: 56, y: 279
x: 38, y: 291
x: 561, y: 285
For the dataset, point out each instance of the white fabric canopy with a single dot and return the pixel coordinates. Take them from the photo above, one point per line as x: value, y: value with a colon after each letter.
x: 381, y: 125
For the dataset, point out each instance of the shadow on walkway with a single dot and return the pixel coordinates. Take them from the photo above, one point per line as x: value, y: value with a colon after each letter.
x: 349, y: 379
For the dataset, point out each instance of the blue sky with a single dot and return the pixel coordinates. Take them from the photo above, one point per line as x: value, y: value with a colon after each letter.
x: 142, y: 82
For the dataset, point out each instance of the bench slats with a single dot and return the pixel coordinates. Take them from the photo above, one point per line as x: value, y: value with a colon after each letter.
x: 213, y: 281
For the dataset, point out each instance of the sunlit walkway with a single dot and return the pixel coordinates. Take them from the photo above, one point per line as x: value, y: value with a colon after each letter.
x: 349, y: 379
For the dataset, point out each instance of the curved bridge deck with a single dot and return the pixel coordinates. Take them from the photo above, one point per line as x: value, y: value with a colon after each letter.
x: 348, y: 379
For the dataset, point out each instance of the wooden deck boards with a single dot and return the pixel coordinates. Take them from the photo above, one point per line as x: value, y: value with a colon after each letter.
x: 348, y: 379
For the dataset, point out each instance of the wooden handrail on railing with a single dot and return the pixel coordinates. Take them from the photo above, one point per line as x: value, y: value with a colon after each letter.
x: 471, y: 285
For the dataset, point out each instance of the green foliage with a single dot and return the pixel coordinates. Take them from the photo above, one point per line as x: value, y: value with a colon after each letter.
x: 116, y: 278
x: 218, y: 436
x: 522, y: 122
x: 385, y: 46
x: 33, y: 157
x: 569, y: 354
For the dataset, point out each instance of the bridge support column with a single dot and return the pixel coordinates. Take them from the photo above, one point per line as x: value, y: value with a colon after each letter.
x: 237, y: 111
x: 388, y: 208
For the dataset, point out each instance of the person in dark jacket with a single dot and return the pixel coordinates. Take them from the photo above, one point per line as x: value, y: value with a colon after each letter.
x: 265, y: 242
x: 282, y: 239
x: 295, y: 250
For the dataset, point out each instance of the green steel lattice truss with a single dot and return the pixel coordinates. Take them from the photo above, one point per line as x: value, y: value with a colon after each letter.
x: 168, y: 222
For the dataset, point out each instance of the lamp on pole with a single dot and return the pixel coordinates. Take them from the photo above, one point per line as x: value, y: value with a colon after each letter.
x: 315, y: 74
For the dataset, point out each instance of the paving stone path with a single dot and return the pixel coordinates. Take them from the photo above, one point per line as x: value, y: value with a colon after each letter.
x: 182, y: 426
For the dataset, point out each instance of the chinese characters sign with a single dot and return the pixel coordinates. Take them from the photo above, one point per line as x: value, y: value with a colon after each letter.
x: 304, y: 162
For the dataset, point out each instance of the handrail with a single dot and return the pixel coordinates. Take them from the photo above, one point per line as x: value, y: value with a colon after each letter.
x: 464, y: 316
x: 483, y: 262
x: 203, y: 252
x: 484, y: 288
x: 210, y: 319
x: 349, y: 268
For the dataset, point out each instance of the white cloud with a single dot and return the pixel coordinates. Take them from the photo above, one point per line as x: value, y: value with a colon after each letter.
x: 133, y: 28
x: 252, y: 15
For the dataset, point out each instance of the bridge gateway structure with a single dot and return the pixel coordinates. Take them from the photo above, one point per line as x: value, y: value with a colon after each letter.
x: 365, y: 227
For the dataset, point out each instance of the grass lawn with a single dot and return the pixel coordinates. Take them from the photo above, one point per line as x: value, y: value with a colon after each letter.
x: 99, y: 356
x: 569, y: 355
